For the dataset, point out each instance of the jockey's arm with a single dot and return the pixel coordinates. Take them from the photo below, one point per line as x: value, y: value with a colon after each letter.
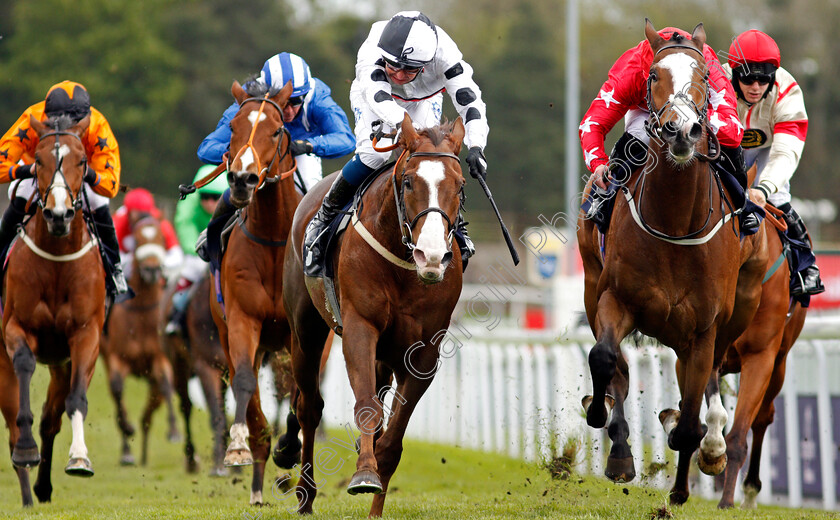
x: 103, y: 155
x: 16, y: 144
x: 213, y: 147
x: 336, y: 139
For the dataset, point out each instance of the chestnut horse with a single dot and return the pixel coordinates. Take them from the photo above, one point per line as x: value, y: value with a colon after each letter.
x: 54, y: 309
x: 198, y: 352
x: 254, y: 321
x: 759, y: 355
x: 132, y: 345
x: 393, y: 312
x: 673, y: 266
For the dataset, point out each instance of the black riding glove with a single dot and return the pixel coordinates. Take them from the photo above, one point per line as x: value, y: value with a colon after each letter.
x: 378, y: 130
x: 300, y: 147
x: 24, y: 171
x: 90, y: 176
x: 477, y: 163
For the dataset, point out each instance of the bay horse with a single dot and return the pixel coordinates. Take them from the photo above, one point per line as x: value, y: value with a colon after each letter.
x: 254, y: 321
x: 199, y: 352
x: 759, y: 354
x: 673, y: 266
x: 393, y: 312
x: 54, y: 309
x: 132, y: 344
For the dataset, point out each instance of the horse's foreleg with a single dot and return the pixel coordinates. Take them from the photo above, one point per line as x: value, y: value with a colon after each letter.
x: 697, y: 369
x: 84, y: 349
x: 180, y: 381
x: 389, y: 446
x: 712, y: 457
x: 763, y: 419
x: 9, y: 397
x: 307, y: 402
x: 162, y: 370
x: 50, y: 425
x: 243, y: 334
x: 756, y: 371
x: 116, y: 380
x: 152, y: 404
x: 25, y: 453
x: 359, y: 345
x: 260, y: 444
x: 613, y: 323
x: 211, y: 386
x: 620, y: 467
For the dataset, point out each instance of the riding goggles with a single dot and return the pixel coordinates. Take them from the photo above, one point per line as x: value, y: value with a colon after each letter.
x: 399, y: 66
x: 295, y: 101
x: 762, y: 79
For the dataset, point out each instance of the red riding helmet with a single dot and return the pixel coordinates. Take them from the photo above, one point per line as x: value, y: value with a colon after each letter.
x: 754, y: 46
x: 142, y: 201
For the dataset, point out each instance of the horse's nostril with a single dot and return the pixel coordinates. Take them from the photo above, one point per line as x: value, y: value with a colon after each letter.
x: 48, y: 214
x: 70, y: 214
x: 252, y: 179
x: 696, y: 132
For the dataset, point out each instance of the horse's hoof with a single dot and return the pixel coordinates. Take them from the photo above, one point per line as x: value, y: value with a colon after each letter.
x: 175, y: 437
x: 711, y: 466
x: 678, y: 498
x: 43, y: 492
x: 620, y: 469
x: 287, y: 452
x: 191, y: 465
x: 365, y: 481
x: 79, y: 467
x: 128, y: 460
x: 26, y: 457
x: 238, y: 458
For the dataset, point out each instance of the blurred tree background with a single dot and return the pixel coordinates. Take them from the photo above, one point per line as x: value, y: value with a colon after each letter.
x: 161, y: 71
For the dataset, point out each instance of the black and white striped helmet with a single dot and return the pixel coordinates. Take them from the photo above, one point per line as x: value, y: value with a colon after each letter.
x: 409, y: 40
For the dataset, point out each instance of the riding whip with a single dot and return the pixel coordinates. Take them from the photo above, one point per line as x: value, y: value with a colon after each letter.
x: 514, y: 255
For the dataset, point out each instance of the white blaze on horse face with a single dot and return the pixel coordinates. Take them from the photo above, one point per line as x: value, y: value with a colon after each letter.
x: 682, y: 68
x: 60, y: 191
x: 432, y: 240
x: 78, y: 450
x: 247, y: 159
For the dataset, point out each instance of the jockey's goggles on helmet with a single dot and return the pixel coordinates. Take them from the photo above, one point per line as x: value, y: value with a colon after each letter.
x: 210, y: 196
x: 295, y: 101
x: 401, y: 66
x: 762, y: 79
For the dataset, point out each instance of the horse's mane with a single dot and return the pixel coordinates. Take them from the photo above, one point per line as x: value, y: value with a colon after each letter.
x: 254, y: 87
x: 59, y: 123
x: 437, y: 134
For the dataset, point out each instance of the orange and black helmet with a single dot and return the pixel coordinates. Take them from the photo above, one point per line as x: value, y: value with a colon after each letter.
x: 67, y: 98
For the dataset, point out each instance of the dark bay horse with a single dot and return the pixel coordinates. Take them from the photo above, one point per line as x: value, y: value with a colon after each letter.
x: 673, y: 266
x: 198, y: 352
x: 132, y: 344
x: 759, y: 355
x: 253, y: 320
x: 394, y: 312
x: 54, y: 297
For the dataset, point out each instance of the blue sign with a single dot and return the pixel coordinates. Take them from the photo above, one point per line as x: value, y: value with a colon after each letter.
x: 778, y: 450
x: 547, y: 265
x: 809, y: 446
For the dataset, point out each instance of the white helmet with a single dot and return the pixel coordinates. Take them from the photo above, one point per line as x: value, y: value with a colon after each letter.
x: 409, y: 40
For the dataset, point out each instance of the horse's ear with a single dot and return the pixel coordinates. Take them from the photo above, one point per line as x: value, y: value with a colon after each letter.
x: 81, y: 127
x: 408, y: 135
x: 698, y: 36
x: 238, y: 92
x: 457, y: 134
x: 37, y: 125
x: 285, y: 93
x: 652, y: 36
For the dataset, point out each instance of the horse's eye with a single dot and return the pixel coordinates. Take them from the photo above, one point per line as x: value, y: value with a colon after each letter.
x: 653, y: 75
x: 278, y: 132
x: 407, y: 183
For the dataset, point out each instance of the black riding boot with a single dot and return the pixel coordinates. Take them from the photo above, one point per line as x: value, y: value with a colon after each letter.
x: 465, y: 243
x: 314, y: 242
x: 732, y: 160
x: 806, y: 281
x: 12, y: 217
x: 222, y: 213
x: 114, y: 277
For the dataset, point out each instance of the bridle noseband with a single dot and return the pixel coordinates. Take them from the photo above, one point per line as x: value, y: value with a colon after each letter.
x: 264, y: 179
x: 653, y: 126
x: 77, y: 198
x: 407, y: 226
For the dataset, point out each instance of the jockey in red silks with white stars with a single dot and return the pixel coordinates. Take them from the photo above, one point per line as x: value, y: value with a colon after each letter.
x: 624, y: 94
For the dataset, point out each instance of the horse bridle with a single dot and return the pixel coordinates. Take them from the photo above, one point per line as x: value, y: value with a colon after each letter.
x: 77, y: 199
x: 407, y: 226
x: 264, y: 179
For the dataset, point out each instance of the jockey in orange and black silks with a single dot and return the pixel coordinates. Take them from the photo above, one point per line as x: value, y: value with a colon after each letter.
x: 17, y: 148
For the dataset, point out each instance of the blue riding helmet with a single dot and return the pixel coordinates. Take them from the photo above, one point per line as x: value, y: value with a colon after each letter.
x: 217, y: 186
x: 284, y: 67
